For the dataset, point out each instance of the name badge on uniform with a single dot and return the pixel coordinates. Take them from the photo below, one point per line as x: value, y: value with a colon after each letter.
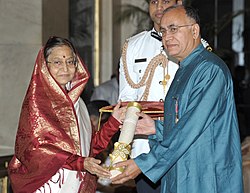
x: 141, y: 60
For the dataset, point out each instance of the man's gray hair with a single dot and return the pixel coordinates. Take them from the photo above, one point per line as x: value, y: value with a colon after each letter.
x: 190, y: 12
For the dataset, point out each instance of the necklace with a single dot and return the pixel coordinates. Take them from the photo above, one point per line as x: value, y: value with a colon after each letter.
x: 149, y: 72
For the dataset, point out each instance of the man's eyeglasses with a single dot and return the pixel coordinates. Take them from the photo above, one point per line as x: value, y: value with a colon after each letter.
x: 172, y: 29
x: 71, y: 63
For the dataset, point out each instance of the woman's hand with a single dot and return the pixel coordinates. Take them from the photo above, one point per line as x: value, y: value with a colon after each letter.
x: 92, y: 166
x: 145, y: 125
x: 119, y: 112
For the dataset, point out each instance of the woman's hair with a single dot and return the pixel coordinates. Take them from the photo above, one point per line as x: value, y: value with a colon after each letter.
x: 55, y: 42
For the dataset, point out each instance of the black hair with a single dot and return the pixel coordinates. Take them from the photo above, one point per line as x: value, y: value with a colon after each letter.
x: 54, y: 42
x: 190, y: 12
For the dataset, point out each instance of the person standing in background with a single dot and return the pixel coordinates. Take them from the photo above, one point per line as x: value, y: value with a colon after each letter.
x: 109, y: 90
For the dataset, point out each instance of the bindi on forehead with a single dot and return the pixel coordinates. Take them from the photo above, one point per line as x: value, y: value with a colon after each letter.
x: 60, y: 57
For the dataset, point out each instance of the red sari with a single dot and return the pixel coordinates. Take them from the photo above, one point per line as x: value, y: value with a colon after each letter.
x: 48, y: 133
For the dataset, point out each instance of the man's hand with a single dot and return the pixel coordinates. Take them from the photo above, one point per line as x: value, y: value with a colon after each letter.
x: 131, y: 171
x: 145, y: 125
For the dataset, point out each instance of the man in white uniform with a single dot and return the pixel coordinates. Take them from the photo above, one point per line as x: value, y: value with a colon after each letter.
x: 145, y: 75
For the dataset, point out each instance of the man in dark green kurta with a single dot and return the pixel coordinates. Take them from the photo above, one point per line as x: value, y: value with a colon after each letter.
x: 197, y: 150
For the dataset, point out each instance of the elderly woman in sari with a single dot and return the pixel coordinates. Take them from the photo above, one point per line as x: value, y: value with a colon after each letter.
x: 55, y: 143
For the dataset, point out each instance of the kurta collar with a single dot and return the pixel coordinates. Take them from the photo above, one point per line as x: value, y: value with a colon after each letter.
x: 193, y: 54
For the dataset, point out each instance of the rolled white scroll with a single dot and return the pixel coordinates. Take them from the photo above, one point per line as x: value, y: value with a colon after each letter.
x: 122, y: 147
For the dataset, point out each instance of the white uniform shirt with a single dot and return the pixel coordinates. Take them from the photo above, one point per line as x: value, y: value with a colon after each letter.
x: 141, y: 49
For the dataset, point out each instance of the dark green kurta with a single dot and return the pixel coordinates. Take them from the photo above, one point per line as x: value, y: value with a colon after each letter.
x: 201, y: 153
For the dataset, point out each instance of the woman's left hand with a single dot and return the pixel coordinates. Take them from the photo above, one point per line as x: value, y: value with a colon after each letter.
x: 119, y: 112
x: 92, y: 166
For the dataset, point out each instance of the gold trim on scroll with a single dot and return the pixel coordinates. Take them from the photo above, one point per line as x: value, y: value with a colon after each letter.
x: 135, y: 104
